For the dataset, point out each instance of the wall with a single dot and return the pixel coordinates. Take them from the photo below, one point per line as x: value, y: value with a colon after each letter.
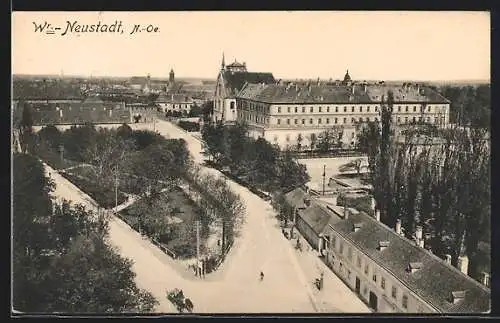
x: 386, y: 303
x: 308, y: 233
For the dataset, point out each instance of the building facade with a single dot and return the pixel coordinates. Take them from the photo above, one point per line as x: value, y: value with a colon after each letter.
x: 174, y: 102
x: 283, y: 113
x: 389, y: 272
x: 230, y: 80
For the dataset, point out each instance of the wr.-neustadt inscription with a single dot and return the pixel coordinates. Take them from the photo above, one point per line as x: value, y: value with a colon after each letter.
x: 76, y: 28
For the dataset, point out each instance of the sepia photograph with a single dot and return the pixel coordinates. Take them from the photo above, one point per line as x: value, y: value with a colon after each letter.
x: 250, y: 162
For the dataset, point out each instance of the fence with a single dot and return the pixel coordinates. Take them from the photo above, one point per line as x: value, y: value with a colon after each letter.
x: 329, y: 154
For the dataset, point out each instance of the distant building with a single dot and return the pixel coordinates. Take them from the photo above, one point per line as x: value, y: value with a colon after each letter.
x: 174, y: 102
x: 389, y: 272
x: 281, y: 112
x: 230, y: 81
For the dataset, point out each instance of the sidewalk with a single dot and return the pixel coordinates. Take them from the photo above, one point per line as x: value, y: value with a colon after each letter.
x: 335, y: 297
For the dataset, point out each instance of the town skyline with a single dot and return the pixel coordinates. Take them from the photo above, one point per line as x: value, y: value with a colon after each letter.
x: 294, y: 42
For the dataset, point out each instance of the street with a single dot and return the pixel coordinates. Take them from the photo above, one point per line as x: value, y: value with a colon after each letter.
x: 235, y: 287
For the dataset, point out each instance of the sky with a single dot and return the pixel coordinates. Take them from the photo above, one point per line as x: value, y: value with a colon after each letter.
x: 376, y: 45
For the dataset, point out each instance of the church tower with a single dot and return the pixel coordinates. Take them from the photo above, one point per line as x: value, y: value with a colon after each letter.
x: 171, y: 78
x: 347, y: 79
x: 223, y: 64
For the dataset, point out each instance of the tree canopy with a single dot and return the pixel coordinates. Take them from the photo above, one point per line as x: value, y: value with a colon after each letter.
x: 62, y: 260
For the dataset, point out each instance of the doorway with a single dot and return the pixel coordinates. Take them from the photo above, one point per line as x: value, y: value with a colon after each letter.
x: 358, y: 285
x: 373, y: 301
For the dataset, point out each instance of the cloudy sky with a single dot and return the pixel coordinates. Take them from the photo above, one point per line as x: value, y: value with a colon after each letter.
x: 372, y: 45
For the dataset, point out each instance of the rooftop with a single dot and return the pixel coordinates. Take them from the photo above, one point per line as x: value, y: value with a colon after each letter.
x: 434, y: 281
x: 323, y: 93
x: 236, y: 80
x: 173, y: 98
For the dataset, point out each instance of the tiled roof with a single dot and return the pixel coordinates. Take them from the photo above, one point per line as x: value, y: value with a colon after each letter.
x: 322, y: 93
x: 173, y: 98
x: 315, y: 216
x: 234, y: 81
x: 434, y: 282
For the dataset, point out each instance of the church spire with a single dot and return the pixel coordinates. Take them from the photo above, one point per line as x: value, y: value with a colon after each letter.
x: 223, y: 62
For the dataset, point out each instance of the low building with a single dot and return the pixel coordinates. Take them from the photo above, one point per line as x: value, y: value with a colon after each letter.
x: 283, y: 113
x: 388, y: 271
x: 175, y: 102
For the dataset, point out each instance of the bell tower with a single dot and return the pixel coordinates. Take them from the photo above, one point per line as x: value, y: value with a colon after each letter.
x: 171, y: 77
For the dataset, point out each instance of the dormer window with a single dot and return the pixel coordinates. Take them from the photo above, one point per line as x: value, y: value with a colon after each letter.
x: 414, y: 266
x: 457, y: 296
x: 382, y: 245
x: 357, y: 226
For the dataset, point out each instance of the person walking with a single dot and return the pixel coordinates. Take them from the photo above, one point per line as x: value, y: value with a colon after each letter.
x: 261, y: 276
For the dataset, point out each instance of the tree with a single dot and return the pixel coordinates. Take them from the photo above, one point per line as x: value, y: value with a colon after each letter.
x: 325, y: 141
x: 313, y: 140
x: 195, y: 111
x: 207, y: 110
x: 299, y: 141
x: 213, y: 138
x: 26, y: 129
x: 51, y: 135
x: 264, y: 157
x: 291, y: 174
x: 124, y: 131
x: 78, y: 141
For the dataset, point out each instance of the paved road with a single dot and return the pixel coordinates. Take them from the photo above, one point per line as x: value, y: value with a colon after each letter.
x: 235, y: 287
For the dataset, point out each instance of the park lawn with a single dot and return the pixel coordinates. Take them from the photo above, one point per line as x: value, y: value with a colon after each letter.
x: 181, y: 233
x: 104, y: 196
x: 54, y: 159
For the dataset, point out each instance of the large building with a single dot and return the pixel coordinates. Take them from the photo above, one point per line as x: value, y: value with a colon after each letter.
x: 391, y: 273
x: 281, y: 113
x: 230, y: 80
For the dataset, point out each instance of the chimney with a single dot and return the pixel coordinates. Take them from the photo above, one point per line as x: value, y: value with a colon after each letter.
x: 418, y: 233
x: 296, y: 87
x: 398, y: 226
x: 357, y: 226
x: 421, y: 243
x: 365, y: 87
x: 377, y: 215
x: 353, y: 88
x: 372, y: 203
x: 307, y: 201
x: 457, y: 296
x: 53, y: 207
x: 346, y: 213
x: 382, y: 245
x: 448, y: 259
x: 485, y: 279
x: 463, y: 264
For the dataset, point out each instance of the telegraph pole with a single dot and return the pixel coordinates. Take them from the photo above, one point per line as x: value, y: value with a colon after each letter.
x: 116, y: 189
x: 324, y: 175
x: 198, y: 247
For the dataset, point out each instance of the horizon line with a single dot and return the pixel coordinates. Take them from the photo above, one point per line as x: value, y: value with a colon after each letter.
x: 215, y: 78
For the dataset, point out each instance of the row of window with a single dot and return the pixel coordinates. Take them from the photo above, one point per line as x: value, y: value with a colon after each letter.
x: 353, y: 120
x: 394, y: 290
x: 360, y: 108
